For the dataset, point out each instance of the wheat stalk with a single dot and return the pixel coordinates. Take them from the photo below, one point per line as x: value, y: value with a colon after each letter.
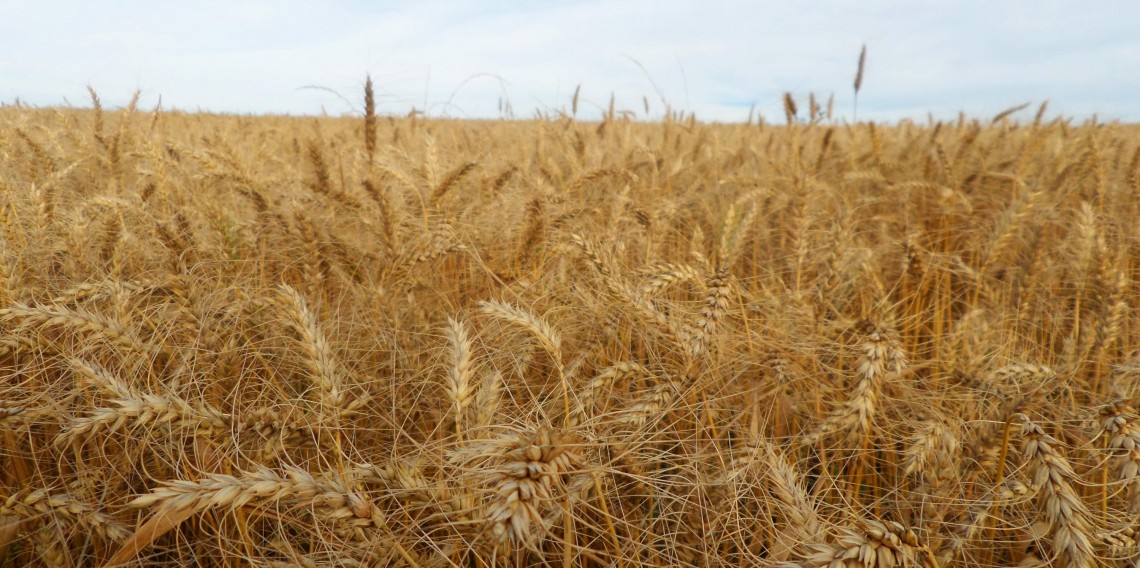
x: 860, y: 68
x: 94, y: 326
x: 525, y: 485
x: 335, y: 399
x: 1122, y: 424
x: 541, y: 330
x: 259, y: 488
x: 37, y: 503
x: 881, y: 357
x: 1059, y: 502
x: 879, y: 544
x: 458, y: 386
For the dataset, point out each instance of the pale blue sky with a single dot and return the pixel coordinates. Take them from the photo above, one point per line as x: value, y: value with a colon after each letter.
x: 458, y: 58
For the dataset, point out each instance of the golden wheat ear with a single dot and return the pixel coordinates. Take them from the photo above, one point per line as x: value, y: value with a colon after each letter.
x: 414, y: 341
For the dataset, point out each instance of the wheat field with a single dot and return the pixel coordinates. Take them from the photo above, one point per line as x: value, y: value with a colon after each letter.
x: 377, y: 341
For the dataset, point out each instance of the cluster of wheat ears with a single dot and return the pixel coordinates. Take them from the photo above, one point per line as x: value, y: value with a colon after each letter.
x: 236, y: 341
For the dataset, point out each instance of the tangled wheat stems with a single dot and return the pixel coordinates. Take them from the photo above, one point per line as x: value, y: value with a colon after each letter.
x: 276, y: 341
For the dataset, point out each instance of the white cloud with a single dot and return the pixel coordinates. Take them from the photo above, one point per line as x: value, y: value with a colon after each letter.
x: 459, y: 58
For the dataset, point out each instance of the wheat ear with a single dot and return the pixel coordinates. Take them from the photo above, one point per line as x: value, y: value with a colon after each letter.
x: 335, y: 400
x: 458, y: 386
x: 1063, y: 508
x: 547, y: 337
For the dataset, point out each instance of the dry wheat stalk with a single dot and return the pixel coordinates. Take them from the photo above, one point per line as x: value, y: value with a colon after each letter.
x: 49, y: 545
x: 262, y: 487
x: 541, y: 330
x: 652, y: 402
x: 665, y: 275
x: 591, y: 254
x: 931, y: 451
x: 1059, y: 502
x: 487, y: 399
x: 1121, y: 545
x: 336, y: 401
x: 1016, y: 373
x: 459, y: 375
x: 588, y: 395
x: 93, y: 326
x: 450, y: 180
x: 439, y: 242
x: 369, y: 120
x: 882, y: 357
x: 97, y: 291
x: 1122, y: 424
x: 278, y: 428
x: 34, y: 504
x: 525, y: 485
x: 801, y: 521
x: 642, y: 307
x: 402, y: 480
x: 790, y: 109
x: 877, y: 545
x: 146, y: 411
x: 12, y: 415
x: 715, y: 307
x: 137, y: 410
x: 862, y: 66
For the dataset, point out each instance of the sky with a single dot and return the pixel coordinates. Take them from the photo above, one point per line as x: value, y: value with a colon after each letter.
x: 466, y: 58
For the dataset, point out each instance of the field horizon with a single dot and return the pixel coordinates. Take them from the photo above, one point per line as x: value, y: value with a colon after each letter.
x: 1019, y: 115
